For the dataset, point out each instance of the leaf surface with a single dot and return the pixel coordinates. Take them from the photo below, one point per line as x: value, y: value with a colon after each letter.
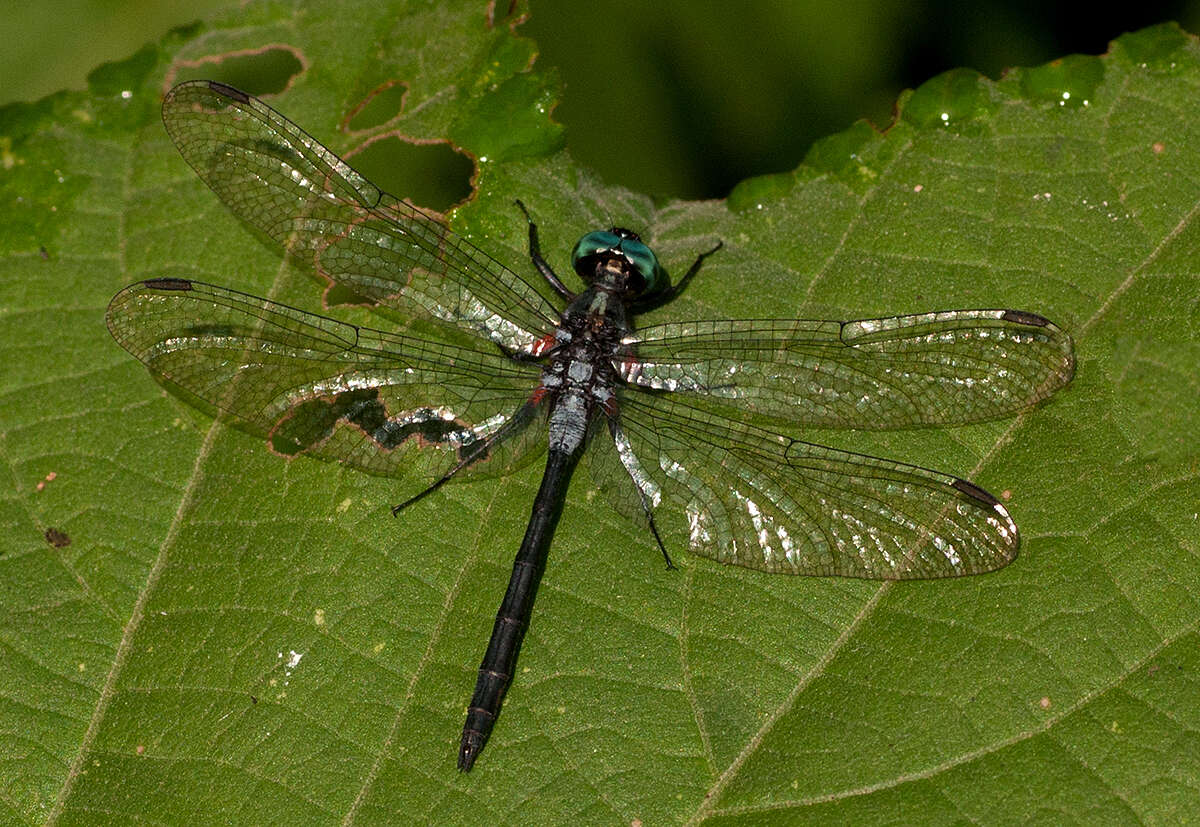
x: 193, y: 629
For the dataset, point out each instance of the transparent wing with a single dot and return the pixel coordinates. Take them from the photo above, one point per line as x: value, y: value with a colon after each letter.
x: 746, y: 496
x: 279, y: 179
x: 944, y: 368
x: 312, y: 385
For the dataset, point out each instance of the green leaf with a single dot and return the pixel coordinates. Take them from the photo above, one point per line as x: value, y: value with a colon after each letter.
x: 195, y: 630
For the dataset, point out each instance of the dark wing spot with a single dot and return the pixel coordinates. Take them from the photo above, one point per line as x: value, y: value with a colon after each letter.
x: 975, y: 492
x: 168, y: 284
x: 228, y: 91
x: 1025, y: 317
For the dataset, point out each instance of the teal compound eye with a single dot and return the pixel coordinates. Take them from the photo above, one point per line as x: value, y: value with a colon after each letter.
x: 626, y: 243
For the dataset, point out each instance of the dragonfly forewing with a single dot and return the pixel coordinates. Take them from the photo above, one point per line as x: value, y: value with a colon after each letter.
x: 946, y: 368
x: 284, y: 183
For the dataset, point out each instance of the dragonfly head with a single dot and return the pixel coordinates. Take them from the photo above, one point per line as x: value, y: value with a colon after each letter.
x: 619, y: 254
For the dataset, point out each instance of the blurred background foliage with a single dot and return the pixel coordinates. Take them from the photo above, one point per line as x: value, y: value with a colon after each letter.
x: 678, y: 98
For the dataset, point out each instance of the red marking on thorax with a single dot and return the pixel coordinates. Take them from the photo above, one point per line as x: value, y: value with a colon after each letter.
x: 542, y: 345
x: 630, y: 369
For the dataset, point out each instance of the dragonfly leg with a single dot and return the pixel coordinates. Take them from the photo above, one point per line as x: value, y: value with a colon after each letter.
x: 659, y: 299
x: 470, y: 459
x: 535, y: 253
x: 396, y: 509
x: 654, y: 530
x: 677, y: 288
x: 478, y: 452
x: 633, y: 468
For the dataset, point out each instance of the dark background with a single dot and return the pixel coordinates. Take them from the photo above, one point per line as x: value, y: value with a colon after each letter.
x: 677, y: 97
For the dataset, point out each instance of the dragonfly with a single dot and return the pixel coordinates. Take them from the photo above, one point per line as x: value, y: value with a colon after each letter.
x: 687, y: 427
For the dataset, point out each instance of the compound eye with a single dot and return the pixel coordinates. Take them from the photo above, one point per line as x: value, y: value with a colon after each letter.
x: 645, y: 264
x: 647, y: 276
x: 592, y: 244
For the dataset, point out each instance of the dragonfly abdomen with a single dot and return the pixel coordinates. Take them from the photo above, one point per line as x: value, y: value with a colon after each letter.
x: 496, y: 669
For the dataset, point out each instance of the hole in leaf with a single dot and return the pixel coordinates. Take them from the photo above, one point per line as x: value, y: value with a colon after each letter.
x: 499, y: 11
x: 379, y: 107
x: 338, y: 293
x: 265, y: 71
x: 430, y: 175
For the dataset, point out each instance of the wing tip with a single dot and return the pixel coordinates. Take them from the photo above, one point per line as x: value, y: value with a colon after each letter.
x: 1063, y: 372
x: 178, y: 97
x: 988, y: 501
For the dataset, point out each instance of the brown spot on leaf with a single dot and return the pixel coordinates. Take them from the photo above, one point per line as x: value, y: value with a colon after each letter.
x: 500, y: 10
x: 56, y: 538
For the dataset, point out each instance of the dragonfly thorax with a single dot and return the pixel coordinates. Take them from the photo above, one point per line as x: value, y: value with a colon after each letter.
x: 580, y: 377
